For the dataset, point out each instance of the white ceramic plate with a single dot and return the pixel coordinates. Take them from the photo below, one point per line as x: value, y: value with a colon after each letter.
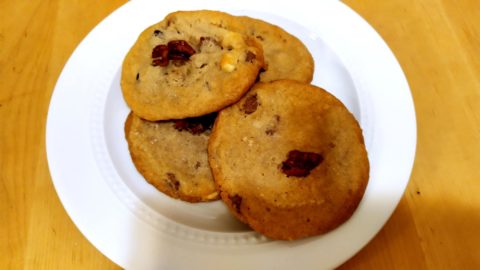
x: 140, y: 228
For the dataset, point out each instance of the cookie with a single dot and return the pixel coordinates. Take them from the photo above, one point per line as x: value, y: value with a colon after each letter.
x: 190, y: 64
x: 286, y: 57
x: 289, y: 160
x: 172, y: 156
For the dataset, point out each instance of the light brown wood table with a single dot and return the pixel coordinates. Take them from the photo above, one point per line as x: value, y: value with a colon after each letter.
x: 435, y: 226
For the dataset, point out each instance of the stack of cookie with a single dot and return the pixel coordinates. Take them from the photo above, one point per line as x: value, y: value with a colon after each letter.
x: 222, y: 108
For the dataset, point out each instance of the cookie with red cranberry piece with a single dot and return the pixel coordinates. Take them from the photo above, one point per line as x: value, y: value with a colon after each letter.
x: 289, y: 160
x: 190, y: 64
x: 172, y: 155
x: 286, y: 57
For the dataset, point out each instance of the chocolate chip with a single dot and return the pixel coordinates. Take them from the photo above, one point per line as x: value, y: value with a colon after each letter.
x: 250, y: 57
x: 300, y: 163
x: 196, y: 125
x: 208, y: 42
x: 173, y: 182
x: 236, y: 201
x: 138, y: 76
x: 157, y: 33
x: 250, y: 104
x: 204, y: 40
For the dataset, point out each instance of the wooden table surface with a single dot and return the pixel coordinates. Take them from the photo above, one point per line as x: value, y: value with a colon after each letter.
x: 435, y: 226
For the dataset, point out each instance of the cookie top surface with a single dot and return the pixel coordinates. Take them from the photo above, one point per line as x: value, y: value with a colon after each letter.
x: 190, y: 64
x: 286, y: 57
x: 172, y: 156
x: 289, y: 160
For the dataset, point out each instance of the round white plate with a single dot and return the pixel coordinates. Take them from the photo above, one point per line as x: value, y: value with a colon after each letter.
x: 140, y: 228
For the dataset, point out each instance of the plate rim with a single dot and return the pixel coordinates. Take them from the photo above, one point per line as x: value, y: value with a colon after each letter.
x: 50, y: 137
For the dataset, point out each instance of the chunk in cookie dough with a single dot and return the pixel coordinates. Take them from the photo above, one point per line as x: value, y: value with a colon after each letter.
x: 190, y: 64
x: 172, y: 155
x: 289, y: 160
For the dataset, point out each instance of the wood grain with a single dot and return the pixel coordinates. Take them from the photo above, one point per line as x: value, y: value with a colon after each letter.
x: 438, y: 45
x: 36, y: 39
x: 435, y: 226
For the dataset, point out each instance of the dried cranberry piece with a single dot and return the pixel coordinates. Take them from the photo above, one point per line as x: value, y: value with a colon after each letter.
x: 160, y: 62
x: 160, y: 51
x: 160, y: 55
x: 179, y: 50
x: 174, y: 50
x: 300, y: 163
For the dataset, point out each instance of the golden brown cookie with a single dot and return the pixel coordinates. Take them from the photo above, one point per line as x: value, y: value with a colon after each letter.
x: 289, y: 160
x: 190, y: 64
x: 172, y: 155
x: 286, y: 57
